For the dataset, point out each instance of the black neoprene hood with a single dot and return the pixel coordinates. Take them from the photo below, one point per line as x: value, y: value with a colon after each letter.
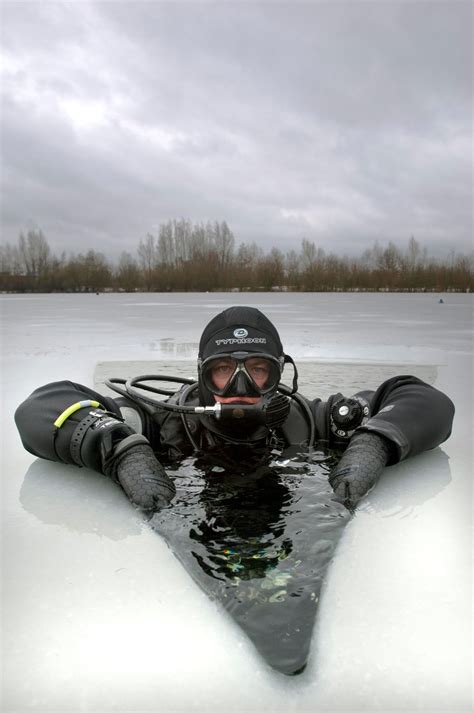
x: 240, y: 329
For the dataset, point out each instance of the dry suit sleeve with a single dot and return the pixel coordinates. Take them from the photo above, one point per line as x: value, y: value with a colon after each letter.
x: 413, y: 415
x: 35, y: 417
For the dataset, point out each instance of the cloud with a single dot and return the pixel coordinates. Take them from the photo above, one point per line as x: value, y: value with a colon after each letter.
x: 340, y: 122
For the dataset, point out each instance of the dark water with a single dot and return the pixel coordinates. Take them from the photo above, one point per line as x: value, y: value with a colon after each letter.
x: 259, y: 543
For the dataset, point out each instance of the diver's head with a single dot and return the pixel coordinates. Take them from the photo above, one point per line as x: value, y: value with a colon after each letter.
x: 240, y: 360
x: 240, y: 356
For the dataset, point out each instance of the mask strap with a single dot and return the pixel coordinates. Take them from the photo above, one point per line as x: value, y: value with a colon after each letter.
x: 289, y: 360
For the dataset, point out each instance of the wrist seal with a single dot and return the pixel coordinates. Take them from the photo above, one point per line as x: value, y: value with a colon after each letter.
x: 96, y: 437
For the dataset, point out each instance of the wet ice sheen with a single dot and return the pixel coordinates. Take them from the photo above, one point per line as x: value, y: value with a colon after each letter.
x: 100, y: 616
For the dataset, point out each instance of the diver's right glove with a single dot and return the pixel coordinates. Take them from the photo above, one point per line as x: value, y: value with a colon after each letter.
x: 106, y: 444
x: 141, y: 475
x: 360, y: 467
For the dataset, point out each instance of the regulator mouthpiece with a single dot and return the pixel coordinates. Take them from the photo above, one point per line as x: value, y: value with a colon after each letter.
x: 227, y: 411
x: 271, y: 412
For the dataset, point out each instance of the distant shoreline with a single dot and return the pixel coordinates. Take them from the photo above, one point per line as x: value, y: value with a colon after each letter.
x: 236, y: 290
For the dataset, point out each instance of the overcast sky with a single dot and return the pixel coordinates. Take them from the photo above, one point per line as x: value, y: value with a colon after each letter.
x: 341, y: 122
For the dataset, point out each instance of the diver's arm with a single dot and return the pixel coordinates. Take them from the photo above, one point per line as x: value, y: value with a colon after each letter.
x: 405, y: 417
x: 70, y: 423
x: 411, y: 414
x: 406, y: 411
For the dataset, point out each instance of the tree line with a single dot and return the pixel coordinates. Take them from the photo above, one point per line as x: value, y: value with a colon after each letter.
x: 183, y: 256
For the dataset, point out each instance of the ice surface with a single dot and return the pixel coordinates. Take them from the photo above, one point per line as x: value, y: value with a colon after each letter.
x: 99, y: 616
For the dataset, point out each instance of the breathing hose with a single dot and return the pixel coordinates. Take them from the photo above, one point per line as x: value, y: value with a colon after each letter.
x: 218, y: 410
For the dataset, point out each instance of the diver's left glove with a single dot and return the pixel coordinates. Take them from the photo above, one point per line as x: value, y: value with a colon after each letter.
x: 360, y: 467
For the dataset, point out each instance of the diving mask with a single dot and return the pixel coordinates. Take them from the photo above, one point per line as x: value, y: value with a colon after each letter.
x: 241, y: 374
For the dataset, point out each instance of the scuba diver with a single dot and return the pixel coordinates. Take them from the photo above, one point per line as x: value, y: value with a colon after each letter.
x: 234, y: 418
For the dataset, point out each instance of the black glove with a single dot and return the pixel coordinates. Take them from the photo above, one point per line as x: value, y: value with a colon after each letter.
x: 360, y: 467
x: 140, y: 474
x: 106, y: 444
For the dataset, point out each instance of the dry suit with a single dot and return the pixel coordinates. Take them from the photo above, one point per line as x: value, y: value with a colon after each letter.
x: 71, y: 423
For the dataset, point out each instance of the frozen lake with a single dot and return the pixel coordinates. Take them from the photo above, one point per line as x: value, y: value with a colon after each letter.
x: 99, y: 616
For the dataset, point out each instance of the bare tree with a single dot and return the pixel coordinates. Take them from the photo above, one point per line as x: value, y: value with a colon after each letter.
x: 413, y: 253
x: 166, y: 247
x: 223, y: 241
x: 34, y: 253
x: 147, y: 254
x: 128, y: 272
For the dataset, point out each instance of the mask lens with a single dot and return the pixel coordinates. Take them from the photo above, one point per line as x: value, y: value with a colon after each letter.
x: 264, y: 373
x: 217, y: 373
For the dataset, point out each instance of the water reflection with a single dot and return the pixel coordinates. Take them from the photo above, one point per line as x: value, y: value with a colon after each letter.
x: 243, y: 526
x: 77, y: 499
x: 170, y: 347
x: 260, y: 543
x: 405, y: 487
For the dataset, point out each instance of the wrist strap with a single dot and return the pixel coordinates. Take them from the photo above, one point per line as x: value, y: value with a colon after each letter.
x: 79, y: 433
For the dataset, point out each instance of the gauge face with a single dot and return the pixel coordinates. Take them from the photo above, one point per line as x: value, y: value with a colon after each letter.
x: 347, y: 414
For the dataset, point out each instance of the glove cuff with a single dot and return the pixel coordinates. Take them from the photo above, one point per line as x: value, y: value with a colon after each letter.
x: 373, y: 443
x: 112, y: 459
x: 96, y: 439
x: 133, y: 440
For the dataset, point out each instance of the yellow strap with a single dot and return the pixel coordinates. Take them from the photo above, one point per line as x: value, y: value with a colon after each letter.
x: 71, y: 409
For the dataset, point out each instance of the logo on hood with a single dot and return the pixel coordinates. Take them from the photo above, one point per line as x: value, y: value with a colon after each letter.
x: 240, y: 333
